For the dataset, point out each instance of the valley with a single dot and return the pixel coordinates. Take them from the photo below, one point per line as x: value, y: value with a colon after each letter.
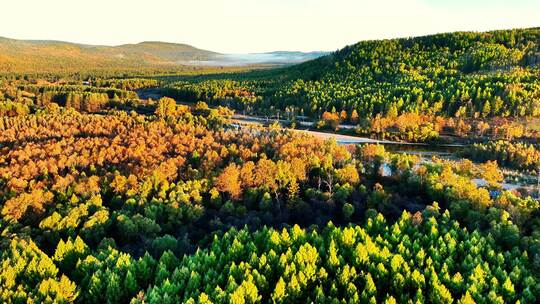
x: 390, y: 171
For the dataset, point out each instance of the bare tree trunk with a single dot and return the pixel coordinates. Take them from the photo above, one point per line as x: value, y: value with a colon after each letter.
x: 330, y: 184
x: 276, y: 194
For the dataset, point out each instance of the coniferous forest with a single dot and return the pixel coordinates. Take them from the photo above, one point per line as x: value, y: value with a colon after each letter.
x: 390, y: 171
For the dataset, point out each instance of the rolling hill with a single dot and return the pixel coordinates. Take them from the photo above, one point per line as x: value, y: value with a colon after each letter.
x: 492, y: 73
x: 460, y: 74
x: 49, y: 55
x: 32, y: 55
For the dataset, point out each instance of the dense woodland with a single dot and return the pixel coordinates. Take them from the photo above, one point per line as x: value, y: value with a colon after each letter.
x: 108, y: 197
x: 456, y: 75
x: 113, y: 208
x: 517, y: 155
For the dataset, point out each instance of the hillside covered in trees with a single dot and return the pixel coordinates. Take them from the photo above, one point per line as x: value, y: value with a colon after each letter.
x: 112, y: 192
x: 108, y: 198
x: 462, y: 74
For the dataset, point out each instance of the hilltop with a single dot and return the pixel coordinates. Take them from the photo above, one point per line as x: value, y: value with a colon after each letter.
x: 31, y: 55
x: 461, y: 74
x: 51, y: 55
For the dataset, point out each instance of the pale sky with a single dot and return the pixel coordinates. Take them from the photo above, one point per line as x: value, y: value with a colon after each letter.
x: 242, y: 26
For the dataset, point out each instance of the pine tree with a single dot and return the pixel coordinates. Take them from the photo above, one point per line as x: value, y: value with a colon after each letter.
x: 348, y: 211
x: 114, y: 291
x: 229, y: 181
x: 354, y: 117
x: 279, y: 293
x: 486, y: 109
x: 130, y: 283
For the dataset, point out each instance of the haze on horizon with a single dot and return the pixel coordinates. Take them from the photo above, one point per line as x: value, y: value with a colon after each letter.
x: 246, y: 26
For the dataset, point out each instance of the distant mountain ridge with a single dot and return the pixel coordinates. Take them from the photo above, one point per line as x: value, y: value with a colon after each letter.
x: 51, y: 55
x: 27, y: 55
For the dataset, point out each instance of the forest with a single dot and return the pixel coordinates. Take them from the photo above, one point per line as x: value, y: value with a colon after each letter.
x: 148, y: 187
x: 454, y: 75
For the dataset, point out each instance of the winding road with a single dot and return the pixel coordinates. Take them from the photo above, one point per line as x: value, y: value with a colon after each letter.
x: 241, y: 120
x: 305, y: 126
